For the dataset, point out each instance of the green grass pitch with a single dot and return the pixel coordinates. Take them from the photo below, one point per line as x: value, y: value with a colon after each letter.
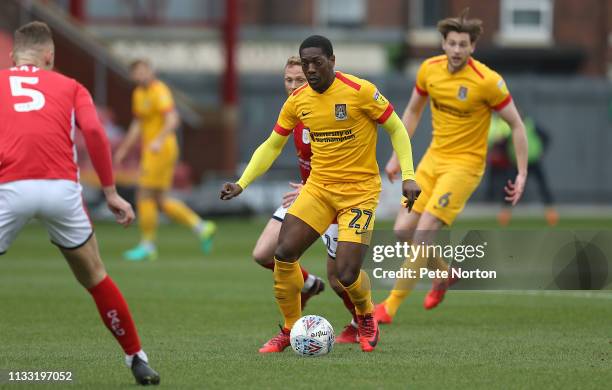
x: 202, y: 319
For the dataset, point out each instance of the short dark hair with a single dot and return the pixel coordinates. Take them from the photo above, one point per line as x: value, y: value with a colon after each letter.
x: 32, y: 35
x: 461, y: 24
x: 318, y: 41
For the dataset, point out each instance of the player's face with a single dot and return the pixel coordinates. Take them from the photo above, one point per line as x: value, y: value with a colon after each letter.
x: 142, y: 75
x: 294, y: 78
x: 458, y: 48
x: 318, y: 68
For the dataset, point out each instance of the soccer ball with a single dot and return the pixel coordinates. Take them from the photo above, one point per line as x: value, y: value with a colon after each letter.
x: 312, y: 336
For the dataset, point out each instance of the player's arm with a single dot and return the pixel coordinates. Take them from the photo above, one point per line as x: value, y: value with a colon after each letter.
x: 403, y: 151
x: 98, y: 148
x: 260, y: 162
x: 171, y: 124
x: 514, y: 190
x: 130, y: 139
x: 410, y: 119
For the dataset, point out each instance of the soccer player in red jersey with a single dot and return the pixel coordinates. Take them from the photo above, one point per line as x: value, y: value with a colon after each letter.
x: 263, y: 253
x: 40, y: 110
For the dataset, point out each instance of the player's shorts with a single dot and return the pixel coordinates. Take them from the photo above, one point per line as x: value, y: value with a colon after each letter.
x: 157, y: 169
x: 329, y: 238
x: 58, y: 204
x: 354, y: 204
x: 445, y: 187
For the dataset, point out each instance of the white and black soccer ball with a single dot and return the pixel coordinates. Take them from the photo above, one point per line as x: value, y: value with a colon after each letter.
x: 312, y: 336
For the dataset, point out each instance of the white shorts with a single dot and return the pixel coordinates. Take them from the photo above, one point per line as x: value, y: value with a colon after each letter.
x: 330, y: 237
x: 58, y: 204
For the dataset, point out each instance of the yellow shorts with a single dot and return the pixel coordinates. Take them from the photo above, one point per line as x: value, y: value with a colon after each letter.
x: 445, y: 187
x: 354, y: 204
x: 157, y: 169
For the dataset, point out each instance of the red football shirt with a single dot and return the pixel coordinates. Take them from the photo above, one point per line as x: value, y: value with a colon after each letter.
x: 301, y: 138
x: 39, y: 113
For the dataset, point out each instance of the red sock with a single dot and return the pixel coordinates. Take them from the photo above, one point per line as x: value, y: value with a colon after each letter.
x: 305, y: 273
x: 349, y: 304
x: 116, y: 315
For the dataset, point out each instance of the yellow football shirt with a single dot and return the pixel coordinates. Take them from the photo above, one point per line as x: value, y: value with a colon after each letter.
x: 461, y: 105
x: 150, y: 105
x: 342, y: 124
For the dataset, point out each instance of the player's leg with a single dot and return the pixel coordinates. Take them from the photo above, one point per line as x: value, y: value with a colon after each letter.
x: 69, y: 227
x: 148, y: 219
x: 304, y: 223
x: 453, y: 189
x: 179, y: 212
x: 89, y: 270
x: 405, y: 227
x: 263, y: 254
x: 330, y: 238
x: 357, y: 203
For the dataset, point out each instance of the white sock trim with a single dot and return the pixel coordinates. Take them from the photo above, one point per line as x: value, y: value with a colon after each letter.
x: 141, y: 354
x: 309, y: 282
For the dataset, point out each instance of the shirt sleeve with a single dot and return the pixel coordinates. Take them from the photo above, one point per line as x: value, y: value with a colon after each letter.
x: 287, y: 119
x: 165, y: 102
x: 421, y: 80
x: 497, y: 95
x: 374, y: 104
x: 96, y: 141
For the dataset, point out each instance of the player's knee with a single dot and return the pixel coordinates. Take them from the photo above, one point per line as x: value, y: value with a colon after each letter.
x: 348, y: 276
x: 261, y: 258
x: 285, y: 252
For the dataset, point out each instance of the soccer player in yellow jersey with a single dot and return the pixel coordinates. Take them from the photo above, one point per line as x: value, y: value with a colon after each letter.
x: 341, y: 112
x: 155, y: 122
x: 462, y: 92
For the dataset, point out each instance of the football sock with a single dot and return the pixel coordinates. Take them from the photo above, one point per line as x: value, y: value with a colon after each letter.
x: 360, y: 293
x: 403, y: 286
x: 147, y: 216
x: 348, y: 304
x: 141, y: 354
x: 288, y: 283
x: 179, y: 212
x: 116, y: 315
x: 309, y: 280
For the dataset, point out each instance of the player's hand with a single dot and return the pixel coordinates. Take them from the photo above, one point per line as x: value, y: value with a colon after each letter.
x: 156, y: 145
x: 411, y: 190
x: 514, y: 191
x: 392, y: 169
x: 124, y: 214
x: 229, y: 191
x: 290, y: 196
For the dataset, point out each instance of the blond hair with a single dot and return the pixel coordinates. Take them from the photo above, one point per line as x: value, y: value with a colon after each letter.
x: 293, y: 60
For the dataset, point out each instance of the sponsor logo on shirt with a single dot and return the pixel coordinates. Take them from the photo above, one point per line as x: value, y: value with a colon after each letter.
x: 379, y: 98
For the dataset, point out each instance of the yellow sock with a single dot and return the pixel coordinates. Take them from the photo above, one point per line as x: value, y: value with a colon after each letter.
x: 179, y: 212
x: 360, y: 293
x: 403, y: 287
x: 147, y: 217
x: 288, y: 283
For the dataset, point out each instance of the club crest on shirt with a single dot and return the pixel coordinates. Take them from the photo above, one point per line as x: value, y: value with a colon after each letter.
x: 462, y: 94
x: 341, y: 113
x: 305, y: 135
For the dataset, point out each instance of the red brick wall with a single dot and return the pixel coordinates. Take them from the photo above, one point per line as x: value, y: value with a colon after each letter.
x: 584, y: 24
